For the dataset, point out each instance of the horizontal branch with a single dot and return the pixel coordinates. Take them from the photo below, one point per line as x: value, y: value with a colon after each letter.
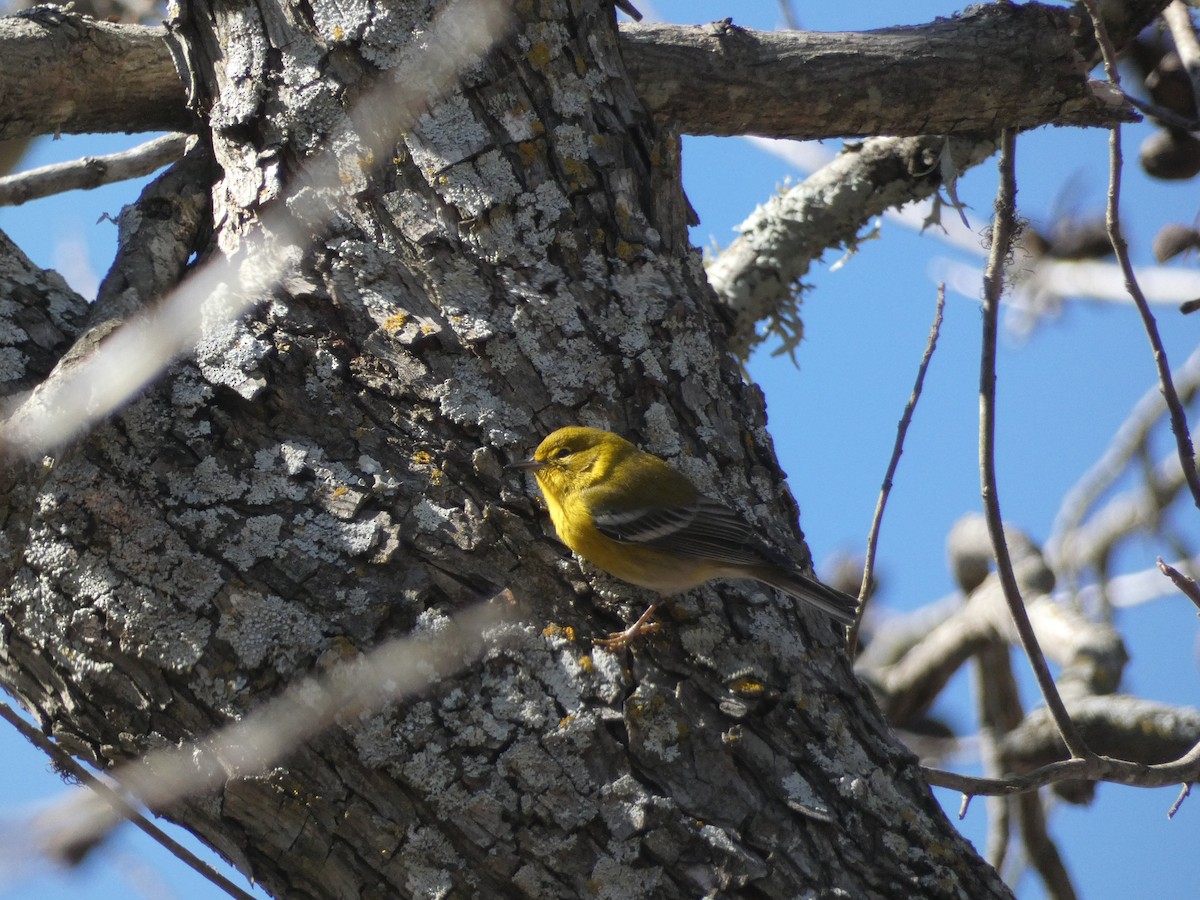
x: 1098, y: 768
x: 68, y: 74
x: 1000, y: 66
x: 92, y: 171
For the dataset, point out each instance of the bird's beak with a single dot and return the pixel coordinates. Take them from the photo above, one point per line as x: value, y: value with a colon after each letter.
x: 526, y: 465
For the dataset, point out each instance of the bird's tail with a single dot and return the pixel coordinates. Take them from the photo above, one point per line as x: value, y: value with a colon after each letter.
x: 839, y: 606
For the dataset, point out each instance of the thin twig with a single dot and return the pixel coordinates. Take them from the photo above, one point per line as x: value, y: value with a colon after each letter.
x: 1183, y: 795
x: 1186, y: 585
x: 92, y: 171
x: 1094, y: 768
x: 897, y: 449
x: 1179, y: 426
x: 1003, y: 232
x: 64, y: 761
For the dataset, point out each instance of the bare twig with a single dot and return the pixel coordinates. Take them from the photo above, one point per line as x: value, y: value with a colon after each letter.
x: 993, y: 286
x: 1179, y: 424
x: 65, y: 762
x: 91, y: 171
x: 897, y: 449
x: 1183, y: 795
x: 1186, y: 585
x: 1094, y: 768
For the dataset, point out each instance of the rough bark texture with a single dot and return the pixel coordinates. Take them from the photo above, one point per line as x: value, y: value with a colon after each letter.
x: 328, y: 473
x: 721, y: 79
x: 67, y: 73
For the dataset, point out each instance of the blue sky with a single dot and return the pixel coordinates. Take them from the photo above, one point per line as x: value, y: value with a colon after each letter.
x: 1063, y: 390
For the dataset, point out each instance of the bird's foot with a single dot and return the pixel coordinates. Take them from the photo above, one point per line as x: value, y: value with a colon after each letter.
x: 620, y: 639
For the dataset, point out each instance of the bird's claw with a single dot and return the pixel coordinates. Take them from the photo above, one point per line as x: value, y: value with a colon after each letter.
x: 619, y: 639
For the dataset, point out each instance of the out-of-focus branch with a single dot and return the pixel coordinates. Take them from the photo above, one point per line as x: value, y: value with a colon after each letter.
x: 1130, y: 442
x: 91, y: 171
x: 64, y: 762
x: 1091, y: 654
x: 999, y: 704
x: 1178, y: 17
x: 1040, y: 847
x: 1143, y: 732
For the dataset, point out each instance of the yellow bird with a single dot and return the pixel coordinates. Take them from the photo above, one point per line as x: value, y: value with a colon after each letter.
x: 632, y: 515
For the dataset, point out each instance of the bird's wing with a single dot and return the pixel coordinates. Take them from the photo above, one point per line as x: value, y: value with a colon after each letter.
x: 704, y: 528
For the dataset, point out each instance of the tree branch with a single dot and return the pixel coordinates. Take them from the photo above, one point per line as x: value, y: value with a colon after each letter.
x: 67, y: 73
x: 997, y: 65
x: 1002, y: 66
x: 91, y: 171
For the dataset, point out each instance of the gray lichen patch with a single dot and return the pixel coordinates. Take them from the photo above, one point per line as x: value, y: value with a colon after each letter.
x: 265, y: 628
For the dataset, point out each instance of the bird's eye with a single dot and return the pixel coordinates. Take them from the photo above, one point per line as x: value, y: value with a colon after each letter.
x: 562, y: 452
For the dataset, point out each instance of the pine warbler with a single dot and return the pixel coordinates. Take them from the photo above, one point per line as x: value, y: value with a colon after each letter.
x: 635, y: 517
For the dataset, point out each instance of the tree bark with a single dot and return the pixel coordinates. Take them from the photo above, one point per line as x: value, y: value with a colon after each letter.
x: 327, y: 474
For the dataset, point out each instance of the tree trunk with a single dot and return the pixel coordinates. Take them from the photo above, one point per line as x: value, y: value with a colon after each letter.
x: 328, y: 473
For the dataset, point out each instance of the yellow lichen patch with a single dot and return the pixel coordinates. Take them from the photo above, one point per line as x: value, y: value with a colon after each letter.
x: 651, y: 706
x: 626, y: 251
x: 539, y: 55
x: 586, y: 664
x: 566, y: 632
x: 394, y: 322
x: 747, y: 686
x: 528, y: 152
